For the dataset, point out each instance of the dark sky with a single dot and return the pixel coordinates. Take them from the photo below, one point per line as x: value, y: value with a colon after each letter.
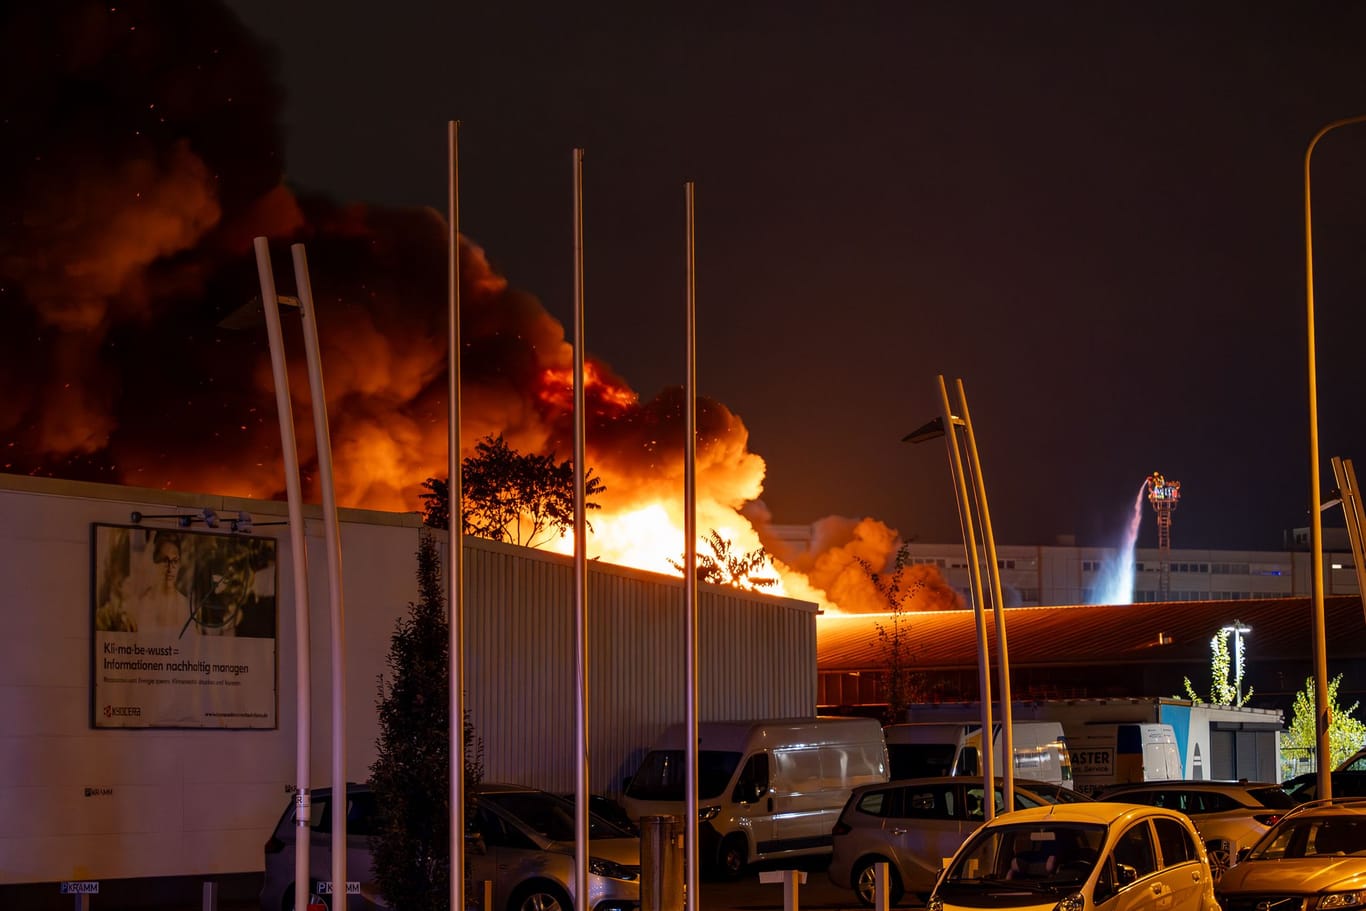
x: 1091, y: 213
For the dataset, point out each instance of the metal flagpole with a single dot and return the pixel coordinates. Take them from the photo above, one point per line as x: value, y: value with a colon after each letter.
x: 455, y: 592
x: 334, y: 571
x: 298, y: 548
x: 581, y: 896
x: 690, y: 562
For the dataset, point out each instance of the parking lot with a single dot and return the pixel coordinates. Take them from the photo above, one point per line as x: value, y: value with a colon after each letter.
x: 818, y: 893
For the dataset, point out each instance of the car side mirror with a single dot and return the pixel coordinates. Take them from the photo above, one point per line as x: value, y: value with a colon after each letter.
x: 1243, y: 853
x: 1125, y: 874
x: 474, y: 843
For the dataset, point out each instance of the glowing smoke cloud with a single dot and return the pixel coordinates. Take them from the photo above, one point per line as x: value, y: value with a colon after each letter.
x: 1117, y: 582
x: 144, y: 157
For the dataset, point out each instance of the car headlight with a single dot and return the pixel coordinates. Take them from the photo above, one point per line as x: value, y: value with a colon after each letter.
x: 1073, y: 902
x: 705, y: 813
x: 1334, y: 900
x: 935, y: 903
x: 612, y: 870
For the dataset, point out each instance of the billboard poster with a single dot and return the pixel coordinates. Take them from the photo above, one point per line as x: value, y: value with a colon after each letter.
x: 183, y: 629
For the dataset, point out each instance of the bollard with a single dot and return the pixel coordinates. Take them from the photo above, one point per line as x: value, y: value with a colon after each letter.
x: 881, y: 878
x: 790, y: 879
x: 211, y: 897
x: 661, y: 863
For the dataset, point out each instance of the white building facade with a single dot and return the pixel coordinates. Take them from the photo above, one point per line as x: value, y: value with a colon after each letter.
x: 87, y: 794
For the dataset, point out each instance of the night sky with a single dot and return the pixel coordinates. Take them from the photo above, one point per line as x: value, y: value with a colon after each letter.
x: 1091, y: 213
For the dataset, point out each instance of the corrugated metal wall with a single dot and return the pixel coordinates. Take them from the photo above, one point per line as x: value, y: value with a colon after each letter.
x: 757, y: 659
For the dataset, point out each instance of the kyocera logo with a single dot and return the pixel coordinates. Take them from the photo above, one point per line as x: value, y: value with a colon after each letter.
x: 111, y: 711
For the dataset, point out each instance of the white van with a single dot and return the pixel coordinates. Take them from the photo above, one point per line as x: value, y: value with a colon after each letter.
x: 765, y: 789
x: 1115, y: 753
x: 920, y: 750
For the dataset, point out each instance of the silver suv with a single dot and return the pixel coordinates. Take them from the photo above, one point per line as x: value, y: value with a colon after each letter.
x: 522, y: 839
x: 1230, y: 815
x: 913, y: 824
x: 1315, y: 857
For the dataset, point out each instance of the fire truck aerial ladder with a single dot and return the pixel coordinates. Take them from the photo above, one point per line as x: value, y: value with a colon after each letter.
x: 1164, y: 495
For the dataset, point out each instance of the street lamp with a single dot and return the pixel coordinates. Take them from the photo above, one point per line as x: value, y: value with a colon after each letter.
x: 947, y: 426
x: 1321, y: 708
x: 1237, y: 629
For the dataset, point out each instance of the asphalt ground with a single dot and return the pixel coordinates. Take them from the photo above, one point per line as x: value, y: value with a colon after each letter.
x: 748, y: 893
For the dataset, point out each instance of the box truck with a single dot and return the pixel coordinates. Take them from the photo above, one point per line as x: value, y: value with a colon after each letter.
x: 920, y: 750
x: 765, y: 789
x: 1116, y: 753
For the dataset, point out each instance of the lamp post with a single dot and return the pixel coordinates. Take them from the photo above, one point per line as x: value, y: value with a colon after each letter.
x: 1237, y: 629
x: 1321, y: 709
x: 972, y: 500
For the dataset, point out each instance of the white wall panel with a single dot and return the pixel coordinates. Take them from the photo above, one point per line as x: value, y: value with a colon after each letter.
x: 77, y: 802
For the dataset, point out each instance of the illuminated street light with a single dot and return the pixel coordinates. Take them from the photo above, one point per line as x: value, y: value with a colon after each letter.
x: 1321, y: 709
x: 1237, y: 629
x: 961, y: 450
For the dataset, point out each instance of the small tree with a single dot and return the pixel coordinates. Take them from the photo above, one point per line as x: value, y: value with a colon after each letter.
x: 724, y: 566
x: 1300, y: 740
x: 510, y: 496
x: 903, y: 685
x: 411, y: 772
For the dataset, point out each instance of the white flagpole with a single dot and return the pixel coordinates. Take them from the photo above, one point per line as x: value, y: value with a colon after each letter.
x: 298, y: 547
x: 334, y: 571
x: 690, y: 562
x: 455, y: 498
x: 581, y: 897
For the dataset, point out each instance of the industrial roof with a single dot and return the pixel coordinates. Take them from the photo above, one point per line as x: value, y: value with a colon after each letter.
x: 1174, y: 631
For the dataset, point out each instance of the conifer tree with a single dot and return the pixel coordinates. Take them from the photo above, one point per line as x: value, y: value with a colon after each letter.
x: 411, y: 772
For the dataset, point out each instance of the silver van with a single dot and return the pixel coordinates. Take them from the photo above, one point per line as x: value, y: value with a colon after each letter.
x: 765, y: 789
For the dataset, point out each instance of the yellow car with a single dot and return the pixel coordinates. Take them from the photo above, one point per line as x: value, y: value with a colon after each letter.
x: 1077, y: 857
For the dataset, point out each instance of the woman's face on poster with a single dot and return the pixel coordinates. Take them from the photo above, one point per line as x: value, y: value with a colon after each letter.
x: 168, y: 557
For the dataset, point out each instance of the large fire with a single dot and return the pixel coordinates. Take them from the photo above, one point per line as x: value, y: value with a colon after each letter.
x: 117, y: 282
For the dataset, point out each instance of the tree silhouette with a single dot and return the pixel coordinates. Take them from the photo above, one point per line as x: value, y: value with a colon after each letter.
x: 511, y: 496
x: 411, y: 772
x: 725, y: 566
x: 902, y: 684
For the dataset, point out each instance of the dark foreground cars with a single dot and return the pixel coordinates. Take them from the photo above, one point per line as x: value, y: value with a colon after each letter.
x: 522, y: 840
x: 1314, y: 859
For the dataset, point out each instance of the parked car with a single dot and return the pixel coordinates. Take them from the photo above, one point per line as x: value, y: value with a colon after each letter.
x: 1054, y: 793
x: 1346, y: 783
x: 912, y: 824
x: 1079, y: 857
x: 521, y: 839
x: 1314, y: 858
x: 1354, y: 763
x: 609, y: 810
x: 1230, y: 815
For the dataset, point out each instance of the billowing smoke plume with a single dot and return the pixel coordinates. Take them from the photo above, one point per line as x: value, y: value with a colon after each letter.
x: 141, y: 158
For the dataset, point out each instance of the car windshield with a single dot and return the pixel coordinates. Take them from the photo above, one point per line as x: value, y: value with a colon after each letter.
x: 551, y: 816
x: 1313, y: 836
x: 1033, y: 855
x: 661, y: 775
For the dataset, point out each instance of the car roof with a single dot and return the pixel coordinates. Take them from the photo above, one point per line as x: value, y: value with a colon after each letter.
x: 1097, y: 812
x: 1028, y: 785
x: 485, y: 787
x: 1200, y: 784
x: 1328, y: 806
